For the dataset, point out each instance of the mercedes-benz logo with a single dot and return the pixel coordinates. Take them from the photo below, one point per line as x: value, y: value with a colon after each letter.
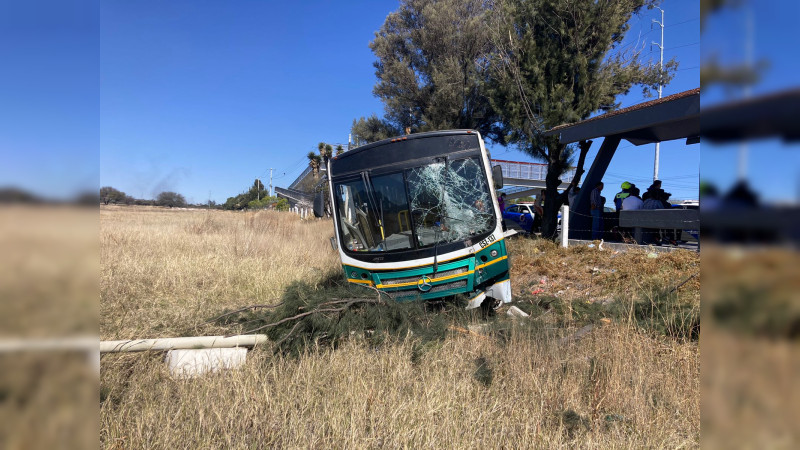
x: 424, y: 284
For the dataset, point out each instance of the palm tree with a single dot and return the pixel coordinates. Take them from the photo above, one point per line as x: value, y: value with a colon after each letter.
x: 325, y: 152
x: 313, y: 162
x: 339, y: 150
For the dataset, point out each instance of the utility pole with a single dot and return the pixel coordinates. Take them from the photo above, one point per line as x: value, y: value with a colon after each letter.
x: 660, y: 82
x: 258, y: 189
x: 270, y: 181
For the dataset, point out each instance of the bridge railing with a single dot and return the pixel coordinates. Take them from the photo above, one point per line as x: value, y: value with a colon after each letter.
x: 303, y: 175
x: 529, y: 171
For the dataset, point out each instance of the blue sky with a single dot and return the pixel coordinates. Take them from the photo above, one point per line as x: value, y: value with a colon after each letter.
x: 202, y: 97
x: 773, y: 166
x: 49, y: 119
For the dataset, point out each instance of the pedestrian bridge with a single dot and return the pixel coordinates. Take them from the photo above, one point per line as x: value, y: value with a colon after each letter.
x: 523, y: 179
x: 520, y: 179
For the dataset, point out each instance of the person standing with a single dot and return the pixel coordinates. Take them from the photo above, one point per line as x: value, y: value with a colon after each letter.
x: 597, y: 211
x: 654, y: 188
x: 572, y: 195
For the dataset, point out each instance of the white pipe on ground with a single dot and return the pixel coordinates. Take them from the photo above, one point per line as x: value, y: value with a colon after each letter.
x: 75, y: 344
x: 565, y: 226
x: 140, y: 345
x: 45, y: 345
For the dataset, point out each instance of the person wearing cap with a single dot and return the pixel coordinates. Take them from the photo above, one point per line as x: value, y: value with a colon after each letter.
x: 622, y: 195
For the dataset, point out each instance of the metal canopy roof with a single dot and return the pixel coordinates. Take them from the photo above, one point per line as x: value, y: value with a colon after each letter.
x: 674, y: 117
x: 773, y: 115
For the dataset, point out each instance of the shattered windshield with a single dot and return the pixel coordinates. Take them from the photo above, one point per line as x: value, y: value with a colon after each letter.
x: 449, y: 201
x: 443, y: 202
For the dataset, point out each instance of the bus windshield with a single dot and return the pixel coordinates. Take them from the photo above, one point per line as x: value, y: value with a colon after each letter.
x: 441, y: 202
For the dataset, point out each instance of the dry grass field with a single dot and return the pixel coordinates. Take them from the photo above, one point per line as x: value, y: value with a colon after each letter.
x: 633, y: 381
x: 48, y: 289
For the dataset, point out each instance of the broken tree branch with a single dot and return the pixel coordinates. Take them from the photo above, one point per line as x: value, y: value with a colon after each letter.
x: 682, y: 283
x: 347, y: 304
x: 242, y: 310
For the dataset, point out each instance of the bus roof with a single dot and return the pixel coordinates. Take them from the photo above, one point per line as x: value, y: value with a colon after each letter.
x: 426, y: 134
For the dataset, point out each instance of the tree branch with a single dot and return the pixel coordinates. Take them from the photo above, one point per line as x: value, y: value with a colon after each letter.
x: 242, y: 310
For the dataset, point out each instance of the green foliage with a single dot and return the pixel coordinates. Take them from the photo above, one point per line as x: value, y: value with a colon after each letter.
x: 235, y: 203
x: 265, y: 203
x: 431, y: 69
x: 282, y: 204
x: 256, y: 204
x: 377, y: 323
x: 511, y: 69
x: 314, y: 161
x: 372, y: 129
x: 253, y: 198
x: 660, y: 310
x: 564, y: 58
x: 170, y: 199
x: 713, y: 72
x: 757, y: 311
x: 657, y: 310
x: 558, y: 62
x: 257, y: 186
x: 110, y: 195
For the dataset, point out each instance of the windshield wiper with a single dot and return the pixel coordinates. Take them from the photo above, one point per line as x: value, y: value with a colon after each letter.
x: 377, y: 208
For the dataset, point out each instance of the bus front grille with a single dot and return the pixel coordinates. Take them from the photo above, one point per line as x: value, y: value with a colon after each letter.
x: 459, y: 284
x: 415, y: 278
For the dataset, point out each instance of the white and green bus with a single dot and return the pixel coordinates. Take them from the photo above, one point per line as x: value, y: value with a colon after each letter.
x: 417, y: 217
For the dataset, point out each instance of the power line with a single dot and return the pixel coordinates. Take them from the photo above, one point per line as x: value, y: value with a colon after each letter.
x: 681, y: 23
x: 682, y: 46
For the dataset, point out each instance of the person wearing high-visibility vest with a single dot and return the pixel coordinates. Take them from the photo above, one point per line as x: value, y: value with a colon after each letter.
x: 622, y: 195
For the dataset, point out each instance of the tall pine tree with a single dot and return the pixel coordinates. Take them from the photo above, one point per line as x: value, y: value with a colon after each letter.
x: 432, y: 69
x: 556, y: 62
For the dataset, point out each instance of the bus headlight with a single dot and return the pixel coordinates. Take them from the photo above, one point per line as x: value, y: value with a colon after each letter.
x: 493, y: 253
x: 353, y: 274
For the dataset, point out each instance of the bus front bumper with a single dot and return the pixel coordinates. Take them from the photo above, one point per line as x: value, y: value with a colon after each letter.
x: 483, y: 274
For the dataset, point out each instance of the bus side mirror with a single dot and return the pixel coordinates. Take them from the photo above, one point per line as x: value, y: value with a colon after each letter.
x: 497, y: 175
x: 319, y: 204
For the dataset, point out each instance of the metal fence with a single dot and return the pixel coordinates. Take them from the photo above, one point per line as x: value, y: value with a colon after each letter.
x: 529, y: 171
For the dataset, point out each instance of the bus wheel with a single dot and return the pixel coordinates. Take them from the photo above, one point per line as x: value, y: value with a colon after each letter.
x: 489, y: 307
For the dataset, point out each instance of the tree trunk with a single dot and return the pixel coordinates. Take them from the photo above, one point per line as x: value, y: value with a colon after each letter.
x: 552, y: 202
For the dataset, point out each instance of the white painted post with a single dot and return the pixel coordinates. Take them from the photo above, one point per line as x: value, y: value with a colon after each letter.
x: 565, y: 225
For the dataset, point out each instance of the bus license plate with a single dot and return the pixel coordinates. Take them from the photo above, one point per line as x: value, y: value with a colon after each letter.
x: 484, y: 243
